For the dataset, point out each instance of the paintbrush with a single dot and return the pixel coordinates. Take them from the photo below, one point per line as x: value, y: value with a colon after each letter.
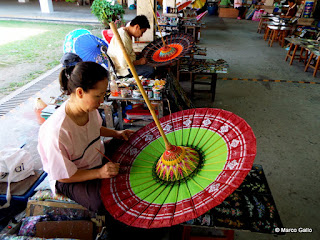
x: 104, y: 155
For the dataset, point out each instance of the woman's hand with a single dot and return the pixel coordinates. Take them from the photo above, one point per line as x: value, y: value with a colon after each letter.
x: 124, y: 134
x: 109, y: 170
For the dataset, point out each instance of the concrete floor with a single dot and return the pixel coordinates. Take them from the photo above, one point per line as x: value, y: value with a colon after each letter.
x: 284, y: 117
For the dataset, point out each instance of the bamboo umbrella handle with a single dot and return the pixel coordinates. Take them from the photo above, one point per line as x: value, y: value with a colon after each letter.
x: 135, y: 75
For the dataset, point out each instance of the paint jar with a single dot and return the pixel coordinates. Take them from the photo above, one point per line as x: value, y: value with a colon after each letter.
x: 136, y: 94
x: 124, y: 92
x: 150, y: 93
x: 114, y: 87
x: 156, y: 93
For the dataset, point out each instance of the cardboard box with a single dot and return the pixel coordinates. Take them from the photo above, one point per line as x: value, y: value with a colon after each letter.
x: 35, y: 208
x: 268, y: 9
x: 65, y: 229
x: 269, y: 2
x: 305, y: 21
x: 228, y: 12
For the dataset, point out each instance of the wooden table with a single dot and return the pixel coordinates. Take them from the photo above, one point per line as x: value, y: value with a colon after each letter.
x: 312, y: 46
x: 292, y: 54
x: 204, y: 67
x: 140, y: 123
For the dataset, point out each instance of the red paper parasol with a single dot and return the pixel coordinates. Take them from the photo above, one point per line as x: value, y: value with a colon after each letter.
x: 177, y: 46
x: 183, y: 5
x: 152, y: 191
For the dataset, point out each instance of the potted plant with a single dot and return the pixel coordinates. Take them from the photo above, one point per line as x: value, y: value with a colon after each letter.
x: 107, y: 11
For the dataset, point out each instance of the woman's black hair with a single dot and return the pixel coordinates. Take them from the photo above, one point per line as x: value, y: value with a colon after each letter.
x: 84, y: 74
x: 141, y: 20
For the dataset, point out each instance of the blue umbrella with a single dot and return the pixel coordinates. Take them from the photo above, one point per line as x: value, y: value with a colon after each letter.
x: 88, y: 47
x: 71, y: 37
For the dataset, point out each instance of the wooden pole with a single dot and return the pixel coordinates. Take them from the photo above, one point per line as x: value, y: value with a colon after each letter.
x: 136, y: 77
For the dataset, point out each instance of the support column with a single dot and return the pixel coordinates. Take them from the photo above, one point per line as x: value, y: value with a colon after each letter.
x: 168, y: 3
x: 46, y: 6
x: 144, y: 8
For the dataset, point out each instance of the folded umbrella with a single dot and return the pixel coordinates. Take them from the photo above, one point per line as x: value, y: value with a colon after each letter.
x: 71, y: 37
x: 88, y: 47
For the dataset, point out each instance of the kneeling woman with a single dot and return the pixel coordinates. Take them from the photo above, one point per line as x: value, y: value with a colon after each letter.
x: 69, y: 139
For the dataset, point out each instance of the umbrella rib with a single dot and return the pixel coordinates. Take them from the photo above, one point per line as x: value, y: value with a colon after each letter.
x: 141, y: 183
x: 199, y: 127
x: 211, y: 170
x: 174, y: 131
x: 208, y: 129
x: 157, y: 139
x: 142, y: 160
x: 212, y: 145
x: 175, y: 205
x: 153, y: 156
x: 181, y: 142
x: 149, y: 202
x: 206, y: 164
x: 136, y: 194
x: 211, y: 180
x: 124, y: 212
x: 197, y: 184
x: 190, y: 128
x: 191, y: 199
x: 163, y: 202
x: 226, y: 132
x: 141, y: 166
x: 140, y: 172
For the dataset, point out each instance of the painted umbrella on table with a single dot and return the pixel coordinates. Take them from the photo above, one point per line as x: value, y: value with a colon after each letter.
x: 181, y: 6
x: 217, y: 151
x: 88, y: 47
x: 176, y: 46
x: 71, y: 37
x: 201, y: 15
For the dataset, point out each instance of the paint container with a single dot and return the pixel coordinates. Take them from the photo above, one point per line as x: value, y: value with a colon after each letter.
x: 156, y: 93
x: 150, y: 93
x: 125, y: 92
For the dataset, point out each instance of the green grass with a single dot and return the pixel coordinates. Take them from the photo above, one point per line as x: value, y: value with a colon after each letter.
x: 44, y: 49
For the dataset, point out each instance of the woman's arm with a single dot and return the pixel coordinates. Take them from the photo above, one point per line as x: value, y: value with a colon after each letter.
x: 106, y: 132
x: 108, y: 170
x: 124, y: 134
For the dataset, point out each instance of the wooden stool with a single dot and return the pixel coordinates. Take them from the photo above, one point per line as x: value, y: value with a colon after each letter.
x: 274, y: 35
x: 262, y: 24
x: 316, y: 67
x: 266, y: 33
x: 193, y: 32
x: 284, y: 32
x: 271, y: 24
x: 292, y: 53
x: 212, y: 83
x: 278, y: 33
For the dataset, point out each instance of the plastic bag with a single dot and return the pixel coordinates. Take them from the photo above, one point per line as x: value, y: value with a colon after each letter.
x: 15, y: 165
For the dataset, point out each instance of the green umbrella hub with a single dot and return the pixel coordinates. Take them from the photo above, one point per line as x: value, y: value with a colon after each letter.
x: 177, y: 163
